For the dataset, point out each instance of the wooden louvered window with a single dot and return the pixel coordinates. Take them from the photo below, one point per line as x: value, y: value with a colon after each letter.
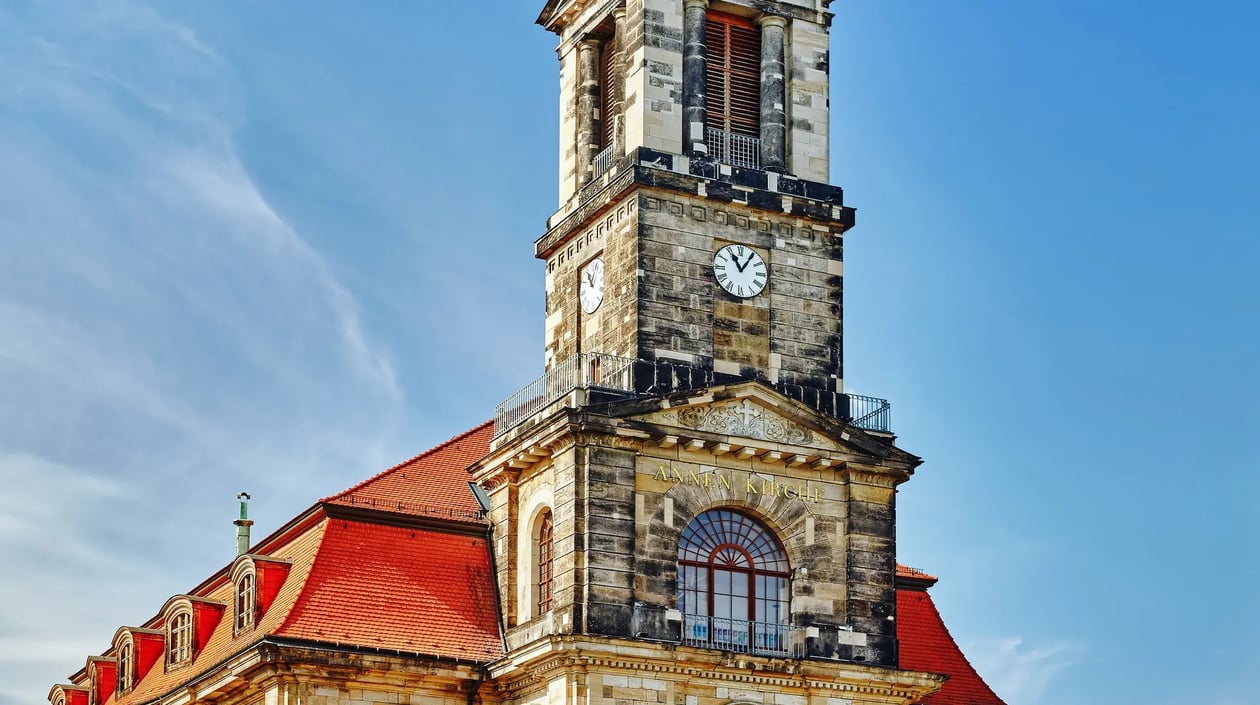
x: 608, y: 75
x: 733, y: 79
x: 545, y: 573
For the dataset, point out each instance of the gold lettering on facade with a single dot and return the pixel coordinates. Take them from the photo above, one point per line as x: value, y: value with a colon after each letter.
x: 727, y: 482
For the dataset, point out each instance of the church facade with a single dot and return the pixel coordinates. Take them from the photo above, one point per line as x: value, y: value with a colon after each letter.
x: 686, y: 508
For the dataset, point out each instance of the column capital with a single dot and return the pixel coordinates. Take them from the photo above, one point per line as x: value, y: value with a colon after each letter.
x: 619, y: 13
x: 702, y: 4
x: 589, y: 42
x: 772, y: 21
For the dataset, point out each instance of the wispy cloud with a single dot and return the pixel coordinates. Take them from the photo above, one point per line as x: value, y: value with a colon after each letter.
x: 166, y: 336
x: 1019, y: 672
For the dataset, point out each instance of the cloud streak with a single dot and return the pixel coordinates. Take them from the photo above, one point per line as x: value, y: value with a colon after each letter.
x: 1018, y: 672
x: 168, y: 337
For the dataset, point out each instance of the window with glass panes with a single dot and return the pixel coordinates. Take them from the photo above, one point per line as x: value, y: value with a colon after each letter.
x: 179, y: 639
x: 545, y: 530
x: 732, y: 583
x: 245, y: 602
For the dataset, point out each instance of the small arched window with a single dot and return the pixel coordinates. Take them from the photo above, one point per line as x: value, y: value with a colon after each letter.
x: 545, y: 571
x: 179, y: 639
x: 245, y: 601
x: 733, y: 584
x: 126, y: 667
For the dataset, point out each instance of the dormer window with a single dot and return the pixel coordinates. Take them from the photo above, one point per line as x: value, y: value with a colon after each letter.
x: 179, y: 638
x: 126, y: 667
x: 246, y: 599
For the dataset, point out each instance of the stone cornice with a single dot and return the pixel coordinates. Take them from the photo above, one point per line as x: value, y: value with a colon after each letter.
x: 541, y: 660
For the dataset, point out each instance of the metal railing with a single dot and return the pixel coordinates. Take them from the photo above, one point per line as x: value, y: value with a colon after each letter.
x: 870, y: 413
x: 582, y: 371
x: 629, y: 377
x: 603, y: 162
x: 733, y: 149
x: 737, y: 635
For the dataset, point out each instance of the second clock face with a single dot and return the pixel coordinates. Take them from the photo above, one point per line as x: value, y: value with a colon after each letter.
x: 740, y: 270
x: 591, y: 290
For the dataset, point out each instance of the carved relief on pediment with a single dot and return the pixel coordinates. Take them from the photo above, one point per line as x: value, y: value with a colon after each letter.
x: 742, y: 419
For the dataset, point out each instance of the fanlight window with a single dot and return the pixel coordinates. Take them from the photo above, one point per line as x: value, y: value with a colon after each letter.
x: 733, y: 584
x: 125, y: 667
x: 245, y: 600
x: 545, y: 572
x: 179, y: 638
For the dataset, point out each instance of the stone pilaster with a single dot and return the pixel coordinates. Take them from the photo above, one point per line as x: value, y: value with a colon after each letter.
x: 773, y: 94
x: 588, y: 108
x: 695, y: 59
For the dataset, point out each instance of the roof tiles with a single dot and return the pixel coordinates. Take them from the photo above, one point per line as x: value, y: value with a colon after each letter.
x: 401, y: 589
x: 434, y: 483
x: 926, y: 645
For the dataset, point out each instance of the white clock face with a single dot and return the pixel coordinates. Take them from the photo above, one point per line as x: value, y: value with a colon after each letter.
x: 740, y: 270
x: 591, y: 290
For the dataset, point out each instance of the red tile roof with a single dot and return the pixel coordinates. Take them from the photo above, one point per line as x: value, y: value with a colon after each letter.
x: 926, y: 645
x: 434, y: 483
x: 402, y: 589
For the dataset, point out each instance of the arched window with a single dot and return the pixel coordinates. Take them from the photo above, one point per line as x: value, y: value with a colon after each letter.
x: 544, y: 553
x: 245, y: 600
x: 179, y: 639
x: 126, y: 667
x: 733, y: 584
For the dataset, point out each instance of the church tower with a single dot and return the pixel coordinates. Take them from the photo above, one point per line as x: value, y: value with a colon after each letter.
x: 687, y: 508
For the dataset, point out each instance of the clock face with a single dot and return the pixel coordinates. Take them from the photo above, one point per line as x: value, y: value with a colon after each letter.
x: 740, y: 270
x: 591, y: 290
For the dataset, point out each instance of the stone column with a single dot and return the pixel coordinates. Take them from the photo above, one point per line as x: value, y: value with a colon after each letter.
x: 587, y: 108
x: 695, y: 55
x: 618, y: 88
x: 773, y: 94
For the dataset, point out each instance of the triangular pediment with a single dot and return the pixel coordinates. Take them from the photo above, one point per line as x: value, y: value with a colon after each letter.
x: 754, y: 412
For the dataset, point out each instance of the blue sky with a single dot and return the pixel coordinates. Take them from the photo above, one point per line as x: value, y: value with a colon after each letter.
x: 252, y: 246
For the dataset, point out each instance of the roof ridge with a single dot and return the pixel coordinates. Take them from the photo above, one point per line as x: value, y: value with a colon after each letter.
x: 310, y: 570
x: 445, y: 444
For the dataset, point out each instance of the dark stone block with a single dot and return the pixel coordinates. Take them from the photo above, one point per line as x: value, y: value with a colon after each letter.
x: 720, y: 191
x: 609, y: 619
x: 766, y: 200
x: 660, y: 160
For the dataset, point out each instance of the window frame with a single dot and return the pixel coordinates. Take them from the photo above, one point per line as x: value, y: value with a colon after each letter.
x: 245, y: 603
x: 732, y: 79
x: 544, y: 563
x: 179, y: 638
x: 717, y: 549
x: 126, y: 665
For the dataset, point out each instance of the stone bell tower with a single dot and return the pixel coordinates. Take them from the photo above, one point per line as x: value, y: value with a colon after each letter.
x: 688, y: 126
x: 687, y: 508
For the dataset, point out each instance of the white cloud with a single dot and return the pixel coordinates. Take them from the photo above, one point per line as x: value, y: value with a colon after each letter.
x: 166, y: 336
x: 1018, y: 672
